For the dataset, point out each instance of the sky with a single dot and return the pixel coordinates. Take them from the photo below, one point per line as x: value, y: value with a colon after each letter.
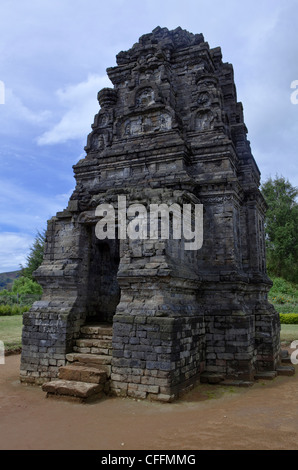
x: 53, y: 60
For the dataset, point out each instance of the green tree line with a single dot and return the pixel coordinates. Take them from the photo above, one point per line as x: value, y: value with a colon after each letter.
x: 25, y: 289
x: 281, y: 228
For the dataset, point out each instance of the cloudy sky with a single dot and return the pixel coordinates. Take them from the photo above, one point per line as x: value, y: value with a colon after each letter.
x: 53, y: 60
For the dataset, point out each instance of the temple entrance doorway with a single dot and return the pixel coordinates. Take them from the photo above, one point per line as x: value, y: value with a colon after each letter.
x: 103, y: 292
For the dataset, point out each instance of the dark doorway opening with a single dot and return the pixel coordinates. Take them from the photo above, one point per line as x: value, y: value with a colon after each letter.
x: 103, y: 292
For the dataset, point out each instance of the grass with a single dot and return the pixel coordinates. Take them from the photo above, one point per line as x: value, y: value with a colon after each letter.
x: 289, y: 333
x: 11, y: 331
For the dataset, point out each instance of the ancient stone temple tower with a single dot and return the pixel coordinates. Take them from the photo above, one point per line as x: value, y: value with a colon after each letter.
x: 170, y: 132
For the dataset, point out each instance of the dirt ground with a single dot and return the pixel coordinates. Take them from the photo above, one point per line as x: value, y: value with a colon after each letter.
x: 264, y: 416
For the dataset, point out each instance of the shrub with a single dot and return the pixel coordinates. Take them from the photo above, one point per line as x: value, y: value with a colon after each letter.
x: 284, y: 296
x: 281, y: 287
x: 289, y: 318
x: 6, y: 310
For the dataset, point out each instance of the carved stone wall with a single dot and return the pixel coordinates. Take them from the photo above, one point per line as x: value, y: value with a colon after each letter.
x: 171, y: 130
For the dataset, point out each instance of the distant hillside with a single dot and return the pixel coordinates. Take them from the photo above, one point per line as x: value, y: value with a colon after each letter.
x: 6, y: 279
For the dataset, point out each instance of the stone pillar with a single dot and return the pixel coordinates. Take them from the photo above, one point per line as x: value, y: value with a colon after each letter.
x: 53, y: 322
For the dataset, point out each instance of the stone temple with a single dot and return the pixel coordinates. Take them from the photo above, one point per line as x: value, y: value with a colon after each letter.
x: 145, y: 317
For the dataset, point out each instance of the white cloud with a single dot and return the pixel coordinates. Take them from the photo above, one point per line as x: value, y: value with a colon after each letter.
x: 81, y: 106
x: 22, y: 112
x: 14, y: 114
x: 22, y: 214
x: 27, y: 211
x: 14, y: 248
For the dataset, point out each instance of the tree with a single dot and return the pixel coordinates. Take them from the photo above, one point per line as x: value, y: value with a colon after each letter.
x: 281, y: 226
x: 25, y: 286
x: 35, y: 257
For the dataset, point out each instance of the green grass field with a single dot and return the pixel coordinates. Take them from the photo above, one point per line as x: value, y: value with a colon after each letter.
x: 11, y: 331
x: 289, y: 333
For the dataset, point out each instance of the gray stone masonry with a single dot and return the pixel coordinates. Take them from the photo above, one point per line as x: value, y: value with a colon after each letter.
x: 169, y: 131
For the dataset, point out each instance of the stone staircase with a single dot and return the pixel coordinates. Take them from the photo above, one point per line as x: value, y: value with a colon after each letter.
x: 86, y: 375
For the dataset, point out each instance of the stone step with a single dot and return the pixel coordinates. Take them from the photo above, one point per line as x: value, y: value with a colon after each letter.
x: 102, y: 351
x: 266, y: 375
x: 211, y: 377
x: 99, y: 361
x: 95, y: 343
x: 285, y: 357
x: 93, y: 346
x: 86, y: 375
x: 285, y: 370
x: 217, y: 378
x: 79, y: 373
x: 69, y: 388
x: 97, y: 331
x: 237, y: 383
x: 286, y: 360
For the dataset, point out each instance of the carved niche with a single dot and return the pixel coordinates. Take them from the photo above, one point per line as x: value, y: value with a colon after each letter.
x: 154, y: 121
x: 204, y: 120
x: 206, y: 111
x: 145, y: 97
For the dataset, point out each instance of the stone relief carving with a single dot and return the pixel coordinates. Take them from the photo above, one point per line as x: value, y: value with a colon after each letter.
x: 145, y: 98
x: 127, y: 128
x: 147, y: 124
x: 98, y: 142
x: 101, y: 135
x: 103, y: 120
x: 165, y: 121
x: 207, y: 82
x: 155, y: 121
x: 216, y: 199
x: 204, y: 120
x: 204, y: 99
